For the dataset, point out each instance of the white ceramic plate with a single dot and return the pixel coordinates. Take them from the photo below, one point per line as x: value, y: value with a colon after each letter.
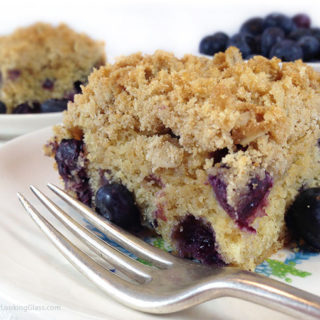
x: 13, y: 125
x: 33, y: 273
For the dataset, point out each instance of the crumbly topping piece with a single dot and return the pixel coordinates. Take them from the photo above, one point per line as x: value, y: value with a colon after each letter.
x: 209, y: 104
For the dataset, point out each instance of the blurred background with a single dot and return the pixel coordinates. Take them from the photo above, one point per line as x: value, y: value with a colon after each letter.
x: 129, y: 26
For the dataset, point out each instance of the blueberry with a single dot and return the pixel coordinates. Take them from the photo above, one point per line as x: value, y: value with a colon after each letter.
x: 54, y: 105
x: 48, y: 84
x: 255, y: 199
x: 279, y: 20
x: 244, y: 42
x: 315, y: 32
x: 287, y: 50
x: 303, y: 216
x: 77, y: 87
x: 67, y: 155
x: 25, y: 108
x: 220, y: 190
x: 194, y: 238
x: 252, y: 26
x: 72, y: 172
x: 116, y: 203
x: 299, y: 33
x: 310, y: 47
x: 249, y: 204
x: 69, y: 95
x: 302, y: 20
x: 3, y: 108
x: 13, y: 74
x: 256, y: 49
x: 22, y: 108
x: 214, y: 43
x: 250, y: 56
x: 269, y: 38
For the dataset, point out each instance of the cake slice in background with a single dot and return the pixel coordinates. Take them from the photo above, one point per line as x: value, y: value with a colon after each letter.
x: 210, y: 152
x: 43, y: 66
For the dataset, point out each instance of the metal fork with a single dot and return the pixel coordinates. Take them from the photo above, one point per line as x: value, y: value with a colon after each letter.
x: 171, y: 283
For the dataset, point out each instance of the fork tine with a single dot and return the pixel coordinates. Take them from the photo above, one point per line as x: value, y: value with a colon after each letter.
x: 133, y: 244
x: 128, y: 266
x: 104, y: 279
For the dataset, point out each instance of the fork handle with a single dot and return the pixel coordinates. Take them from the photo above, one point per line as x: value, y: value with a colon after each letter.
x: 273, y: 294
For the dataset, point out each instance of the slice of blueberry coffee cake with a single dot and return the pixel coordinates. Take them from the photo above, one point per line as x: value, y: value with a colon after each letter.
x: 208, y: 152
x: 42, y: 67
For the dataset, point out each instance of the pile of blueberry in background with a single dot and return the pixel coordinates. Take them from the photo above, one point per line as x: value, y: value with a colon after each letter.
x: 276, y: 35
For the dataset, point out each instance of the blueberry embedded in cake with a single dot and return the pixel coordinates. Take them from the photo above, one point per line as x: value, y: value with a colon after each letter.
x: 116, y: 203
x: 208, y: 152
x: 70, y: 159
x: 303, y: 217
x: 43, y: 66
x: 195, y: 238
